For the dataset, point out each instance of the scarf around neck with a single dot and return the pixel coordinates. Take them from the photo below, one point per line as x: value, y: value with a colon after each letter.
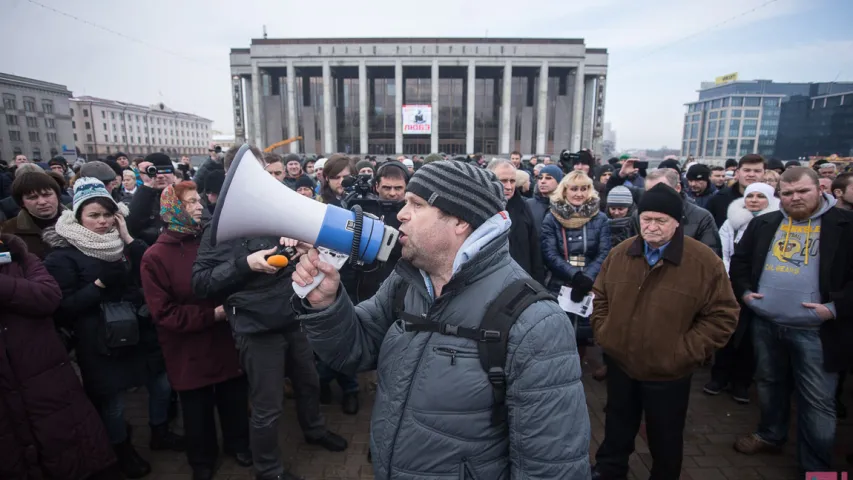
x: 174, y: 215
x: 570, y: 216
x: 108, y: 247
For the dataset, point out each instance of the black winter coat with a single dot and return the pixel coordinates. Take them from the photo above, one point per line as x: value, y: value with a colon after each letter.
x: 524, y: 245
x: 538, y: 209
x: 104, y: 373
x: 718, y: 205
x: 254, y: 302
x: 144, y: 221
x: 204, y: 170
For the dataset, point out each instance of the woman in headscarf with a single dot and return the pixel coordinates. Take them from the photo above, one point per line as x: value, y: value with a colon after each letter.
x: 201, y: 358
x: 575, y: 241
x: 96, y: 263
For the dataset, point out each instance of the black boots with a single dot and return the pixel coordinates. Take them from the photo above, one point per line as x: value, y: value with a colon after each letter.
x: 330, y: 441
x: 349, y: 404
x: 129, y: 461
x: 163, y: 439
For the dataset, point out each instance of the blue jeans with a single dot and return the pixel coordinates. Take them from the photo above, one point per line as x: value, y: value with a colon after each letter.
x: 348, y: 384
x: 791, y: 359
x: 111, y: 408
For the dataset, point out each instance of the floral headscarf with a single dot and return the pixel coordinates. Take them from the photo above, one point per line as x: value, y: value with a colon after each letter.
x: 172, y: 212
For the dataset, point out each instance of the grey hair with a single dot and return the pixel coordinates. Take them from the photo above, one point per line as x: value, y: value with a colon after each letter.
x: 28, y: 167
x: 498, y: 162
x: 667, y: 175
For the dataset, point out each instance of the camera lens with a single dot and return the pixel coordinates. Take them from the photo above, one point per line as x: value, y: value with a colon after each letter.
x: 151, y: 171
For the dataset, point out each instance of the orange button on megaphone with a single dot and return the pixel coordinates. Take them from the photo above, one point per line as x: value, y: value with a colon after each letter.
x: 278, y: 261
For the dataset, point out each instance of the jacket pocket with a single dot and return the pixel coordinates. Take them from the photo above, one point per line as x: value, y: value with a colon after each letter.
x: 466, y: 470
x: 454, y: 354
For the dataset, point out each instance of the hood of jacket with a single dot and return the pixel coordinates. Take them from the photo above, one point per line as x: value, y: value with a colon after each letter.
x: 826, y: 204
x: 53, y: 239
x: 15, y: 245
x: 738, y: 216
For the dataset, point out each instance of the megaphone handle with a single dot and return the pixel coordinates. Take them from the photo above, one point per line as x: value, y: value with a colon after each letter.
x: 337, y: 260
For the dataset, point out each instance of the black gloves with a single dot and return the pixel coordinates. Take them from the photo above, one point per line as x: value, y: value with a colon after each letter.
x: 113, y: 274
x: 581, y: 286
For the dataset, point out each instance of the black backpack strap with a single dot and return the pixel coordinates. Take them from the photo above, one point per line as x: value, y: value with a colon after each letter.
x: 399, y: 300
x: 497, y: 322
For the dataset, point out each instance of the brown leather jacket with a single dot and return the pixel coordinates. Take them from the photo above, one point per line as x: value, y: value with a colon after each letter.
x: 660, y: 323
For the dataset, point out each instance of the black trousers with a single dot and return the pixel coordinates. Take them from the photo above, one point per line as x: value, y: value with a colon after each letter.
x: 735, y: 364
x: 231, y: 399
x: 665, y: 407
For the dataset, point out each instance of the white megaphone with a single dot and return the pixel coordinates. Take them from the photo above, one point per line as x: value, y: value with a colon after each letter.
x: 252, y: 203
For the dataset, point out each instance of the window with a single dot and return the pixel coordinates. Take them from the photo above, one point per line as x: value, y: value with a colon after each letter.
x: 746, y: 146
x: 721, y: 132
x: 751, y: 113
x: 105, y: 126
x: 709, y: 147
x: 29, y: 104
x: 121, y: 116
x: 716, y: 103
x: 75, y: 137
x: 32, y: 122
x: 158, y: 121
x: 103, y: 114
x: 723, y: 113
x: 737, y: 102
x: 34, y: 136
x: 750, y: 129
x: 137, y: 118
x: 752, y: 102
x: 88, y: 137
x: 85, y: 112
x: 712, y: 129
x: 88, y: 126
x: 113, y: 115
x: 734, y: 128
x: 115, y: 138
x: 694, y: 130
x: 771, y: 102
x: 9, y: 102
x: 725, y: 104
x: 731, y: 148
x: 47, y: 106
x: 72, y: 112
x: 49, y: 123
x: 11, y: 119
x: 713, y: 115
x: 73, y: 124
x: 51, y: 137
x: 106, y: 138
x: 36, y: 154
x: 14, y: 135
x: 736, y: 112
x: 114, y: 127
x: 123, y: 139
x: 696, y: 117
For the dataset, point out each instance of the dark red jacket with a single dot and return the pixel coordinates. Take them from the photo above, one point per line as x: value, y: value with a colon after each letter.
x: 199, y: 351
x: 48, y: 427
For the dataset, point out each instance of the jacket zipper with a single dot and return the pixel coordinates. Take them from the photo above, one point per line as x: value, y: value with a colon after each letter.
x: 452, y: 353
x: 466, y: 470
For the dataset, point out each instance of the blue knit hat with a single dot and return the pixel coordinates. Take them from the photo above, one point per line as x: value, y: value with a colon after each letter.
x: 554, y: 171
x: 87, y: 188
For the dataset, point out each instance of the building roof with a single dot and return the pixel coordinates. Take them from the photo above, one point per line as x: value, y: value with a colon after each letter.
x: 157, y: 108
x: 25, y: 82
x: 768, y: 87
x: 472, y: 40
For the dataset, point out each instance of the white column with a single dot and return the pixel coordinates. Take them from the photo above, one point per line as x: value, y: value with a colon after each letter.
x: 469, y: 126
x: 257, y: 136
x: 327, y: 108
x: 577, y: 108
x: 249, y: 110
x: 598, y: 126
x: 362, y: 106
x: 588, y: 111
x: 542, y: 111
x: 433, y: 140
x: 292, y: 126
x: 399, y: 88
x: 506, y: 108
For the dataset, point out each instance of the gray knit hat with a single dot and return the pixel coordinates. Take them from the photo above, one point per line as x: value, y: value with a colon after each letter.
x: 464, y: 191
x: 620, y: 197
x: 99, y: 170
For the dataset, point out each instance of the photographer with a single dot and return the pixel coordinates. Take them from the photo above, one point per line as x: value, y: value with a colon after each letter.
x: 144, y: 221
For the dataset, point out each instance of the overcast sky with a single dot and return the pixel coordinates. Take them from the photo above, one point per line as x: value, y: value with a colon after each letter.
x: 660, y: 50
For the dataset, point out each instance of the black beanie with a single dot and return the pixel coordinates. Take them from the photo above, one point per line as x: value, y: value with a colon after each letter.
x: 159, y: 160
x: 304, y: 181
x: 670, y: 163
x: 292, y: 157
x: 731, y: 163
x: 662, y: 199
x: 699, y: 172
x: 775, y: 164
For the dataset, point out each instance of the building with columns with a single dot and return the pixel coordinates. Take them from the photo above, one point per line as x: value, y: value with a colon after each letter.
x: 489, y: 95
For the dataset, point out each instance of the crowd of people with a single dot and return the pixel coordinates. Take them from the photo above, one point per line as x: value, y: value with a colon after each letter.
x: 505, y: 274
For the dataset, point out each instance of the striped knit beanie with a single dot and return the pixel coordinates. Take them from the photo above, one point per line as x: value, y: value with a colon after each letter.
x: 459, y: 189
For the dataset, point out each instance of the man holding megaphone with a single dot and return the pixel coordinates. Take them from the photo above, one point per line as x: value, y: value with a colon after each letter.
x: 255, y: 289
x: 479, y: 374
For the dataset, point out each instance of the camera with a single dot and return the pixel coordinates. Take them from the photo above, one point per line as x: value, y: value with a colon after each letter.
x: 568, y: 160
x: 153, y: 170
x: 359, y: 191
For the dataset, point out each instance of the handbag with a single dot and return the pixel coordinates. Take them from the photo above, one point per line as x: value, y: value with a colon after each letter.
x: 583, y: 329
x: 119, y: 326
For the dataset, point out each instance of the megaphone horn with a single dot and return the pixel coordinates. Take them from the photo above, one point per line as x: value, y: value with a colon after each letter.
x: 252, y: 203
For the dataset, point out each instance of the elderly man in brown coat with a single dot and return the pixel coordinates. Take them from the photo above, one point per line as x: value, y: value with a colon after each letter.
x: 663, y: 304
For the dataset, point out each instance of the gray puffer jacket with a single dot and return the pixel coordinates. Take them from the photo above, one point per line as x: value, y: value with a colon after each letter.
x: 432, y: 416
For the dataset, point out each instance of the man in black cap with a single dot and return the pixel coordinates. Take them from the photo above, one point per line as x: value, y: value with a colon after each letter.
x: 293, y: 170
x: 701, y: 189
x: 663, y: 304
x: 749, y: 169
x: 59, y: 165
x: 455, y: 262
x: 157, y: 173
